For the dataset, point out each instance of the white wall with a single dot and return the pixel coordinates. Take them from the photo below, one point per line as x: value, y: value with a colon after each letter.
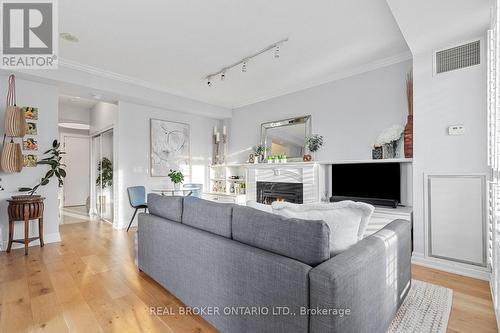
x: 103, y: 116
x: 73, y: 114
x: 133, y: 146
x: 350, y: 113
x: 45, y: 97
x: 457, y: 97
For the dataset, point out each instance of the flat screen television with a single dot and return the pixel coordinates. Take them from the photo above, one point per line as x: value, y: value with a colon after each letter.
x: 378, y: 181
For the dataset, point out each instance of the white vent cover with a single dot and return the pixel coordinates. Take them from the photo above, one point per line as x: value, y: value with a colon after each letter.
x: 458, y: 57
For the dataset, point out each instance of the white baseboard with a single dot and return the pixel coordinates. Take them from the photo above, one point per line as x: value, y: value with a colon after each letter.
x: 472, y: 271
x: 495, y: 307
x: 48, y: 238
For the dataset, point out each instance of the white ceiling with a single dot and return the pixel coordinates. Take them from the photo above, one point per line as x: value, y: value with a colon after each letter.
x: 77, y: 102
x: 172, y: 44
x: 431, y: 24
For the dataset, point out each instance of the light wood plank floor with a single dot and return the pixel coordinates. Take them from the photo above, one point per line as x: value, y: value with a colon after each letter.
x: 88, y: 283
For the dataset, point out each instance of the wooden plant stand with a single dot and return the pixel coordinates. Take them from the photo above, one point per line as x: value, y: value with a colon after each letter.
x: 25, y: 209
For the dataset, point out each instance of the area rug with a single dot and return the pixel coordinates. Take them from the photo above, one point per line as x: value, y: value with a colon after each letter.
x: 426, y: 309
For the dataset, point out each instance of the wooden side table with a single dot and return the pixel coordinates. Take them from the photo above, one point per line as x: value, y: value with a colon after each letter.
x: 25, y: 209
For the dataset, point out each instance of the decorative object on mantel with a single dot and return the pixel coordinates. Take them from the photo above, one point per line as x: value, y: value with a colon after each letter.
x: 56, y: 169
x: 15, y: 127
x: 313, y: 143
x: 307, y: 158
x: 217, y: 157
x: 252, y: 159
x: 408, y: 132
x: 387, y: 143
x: 260, y: 152
x: 277, y: 158
x: 176, y: 177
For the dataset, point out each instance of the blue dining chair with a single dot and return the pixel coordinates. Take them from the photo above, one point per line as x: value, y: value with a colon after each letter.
x: 197, y: 189
x: 137, y: 199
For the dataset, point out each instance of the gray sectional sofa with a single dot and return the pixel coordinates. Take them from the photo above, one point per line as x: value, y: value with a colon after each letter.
x: 246, y: 270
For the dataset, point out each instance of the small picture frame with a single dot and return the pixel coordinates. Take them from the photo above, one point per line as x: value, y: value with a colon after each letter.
x: 31, y: 128
x: 30, y: 160
x: 30, y: 144
x: 30, y: 113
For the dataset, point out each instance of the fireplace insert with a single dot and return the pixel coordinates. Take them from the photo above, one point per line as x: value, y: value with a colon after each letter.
x: 268, y: 192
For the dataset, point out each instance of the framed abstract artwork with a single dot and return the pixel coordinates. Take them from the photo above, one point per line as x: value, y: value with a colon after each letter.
x: 170, y: 147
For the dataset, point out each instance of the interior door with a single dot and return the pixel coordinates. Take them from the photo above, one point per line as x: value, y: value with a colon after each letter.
x: 76, y: 183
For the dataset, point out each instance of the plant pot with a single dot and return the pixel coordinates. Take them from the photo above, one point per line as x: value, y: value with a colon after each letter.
x: 177, y: 186
x: 408, y: 137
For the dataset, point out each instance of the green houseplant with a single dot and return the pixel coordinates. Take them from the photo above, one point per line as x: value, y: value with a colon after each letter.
x: 105, y: 171
x: 56, y: 168
x: 176, y: 177
x: 313, y: 143
x: 260, y: 151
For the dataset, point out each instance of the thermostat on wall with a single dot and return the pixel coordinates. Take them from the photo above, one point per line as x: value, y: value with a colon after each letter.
x: 456, y: 130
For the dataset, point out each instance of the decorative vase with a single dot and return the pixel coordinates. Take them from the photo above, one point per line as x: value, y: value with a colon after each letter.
x: 408, y: 137
x: 15, y: 125
x: 12, y: 157
x: 177, y: 186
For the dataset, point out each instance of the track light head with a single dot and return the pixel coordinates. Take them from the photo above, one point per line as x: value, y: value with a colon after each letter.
x: 222, y: 76
x: 244, y: 67
x: 277, y: 52
x: 209, y: 82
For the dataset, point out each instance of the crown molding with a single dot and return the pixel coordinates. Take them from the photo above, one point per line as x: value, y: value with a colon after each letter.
x: 68, y: 64
x: 368, y: 67
x: 105, y: 74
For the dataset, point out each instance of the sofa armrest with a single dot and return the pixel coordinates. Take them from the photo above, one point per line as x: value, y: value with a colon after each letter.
x: 366, y: 284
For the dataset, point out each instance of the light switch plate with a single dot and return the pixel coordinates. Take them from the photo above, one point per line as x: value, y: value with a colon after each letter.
x: 456, y: 130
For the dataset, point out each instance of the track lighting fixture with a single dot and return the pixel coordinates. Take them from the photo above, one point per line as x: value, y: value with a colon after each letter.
x: 244, y: 62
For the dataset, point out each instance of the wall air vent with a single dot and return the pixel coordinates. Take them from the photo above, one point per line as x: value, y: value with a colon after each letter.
x: 458, y: 57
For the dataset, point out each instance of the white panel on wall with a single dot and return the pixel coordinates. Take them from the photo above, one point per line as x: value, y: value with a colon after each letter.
x: 456, y: 218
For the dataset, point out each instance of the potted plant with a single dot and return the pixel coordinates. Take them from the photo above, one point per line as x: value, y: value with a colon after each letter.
x: 313, y: 144
x: 104, y: 178
x: 260, y: 151
x: 56, y: 170
x: 176, y: 177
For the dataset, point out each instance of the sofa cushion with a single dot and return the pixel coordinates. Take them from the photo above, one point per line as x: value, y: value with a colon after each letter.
x: 207, y: 215
x: 347, y: 219
x: 305, y: 241
x: 168, y: 207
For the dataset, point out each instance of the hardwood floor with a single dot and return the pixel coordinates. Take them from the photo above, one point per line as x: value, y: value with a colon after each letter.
x: 89, y: 283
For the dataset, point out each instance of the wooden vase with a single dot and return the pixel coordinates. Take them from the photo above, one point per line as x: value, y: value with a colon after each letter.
x: 15, y: 124
x: 12, y: 157
x: 408, y: 137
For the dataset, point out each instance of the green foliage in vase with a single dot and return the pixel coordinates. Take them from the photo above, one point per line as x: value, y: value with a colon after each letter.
x: 314, y: 142
x: 260, y: 149
x: 176, y: 176
x: 105, y: 171
x: 56, y: 168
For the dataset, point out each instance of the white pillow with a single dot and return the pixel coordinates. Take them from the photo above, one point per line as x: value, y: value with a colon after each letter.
x: 347, y: 219
x: 259, y: 206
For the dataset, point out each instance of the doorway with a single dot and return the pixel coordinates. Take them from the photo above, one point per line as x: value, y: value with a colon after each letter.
x: 75, y: 193
x: 102, y: 176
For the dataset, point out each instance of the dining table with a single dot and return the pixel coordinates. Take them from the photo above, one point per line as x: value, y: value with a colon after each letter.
x: 180, y: 191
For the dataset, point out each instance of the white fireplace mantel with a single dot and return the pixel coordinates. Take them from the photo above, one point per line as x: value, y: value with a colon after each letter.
x: 313, y: 176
